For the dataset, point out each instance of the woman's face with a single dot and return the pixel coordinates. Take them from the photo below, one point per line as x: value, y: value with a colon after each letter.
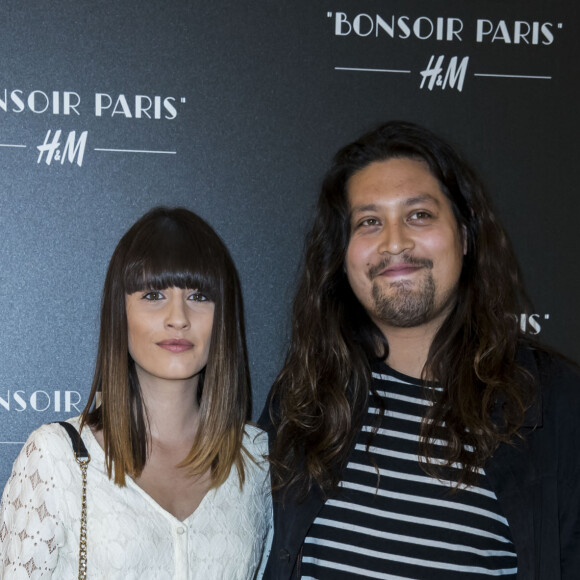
x: 169, y: 333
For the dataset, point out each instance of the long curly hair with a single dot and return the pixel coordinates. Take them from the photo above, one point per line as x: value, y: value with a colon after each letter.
x: 321, y: 395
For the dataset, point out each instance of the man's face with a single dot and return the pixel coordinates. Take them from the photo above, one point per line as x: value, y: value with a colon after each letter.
x: 405, y: 251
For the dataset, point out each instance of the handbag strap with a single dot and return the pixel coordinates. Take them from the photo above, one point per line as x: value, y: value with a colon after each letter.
x: 82, y: 457
x: 76, y: 440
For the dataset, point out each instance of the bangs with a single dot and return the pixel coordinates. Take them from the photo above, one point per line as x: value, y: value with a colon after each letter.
x: 168, y: 254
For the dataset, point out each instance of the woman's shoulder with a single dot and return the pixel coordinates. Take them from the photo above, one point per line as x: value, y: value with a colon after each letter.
x: 45, y: 462
x: 255, y: 438
x: 255, y: 443
x: 48, y: 448
x: 50, y: 437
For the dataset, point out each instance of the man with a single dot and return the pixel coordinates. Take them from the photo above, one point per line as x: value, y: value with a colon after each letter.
x: 415, y: 432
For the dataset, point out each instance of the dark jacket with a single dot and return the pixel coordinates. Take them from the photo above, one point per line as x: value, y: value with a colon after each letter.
x: 536, y: 480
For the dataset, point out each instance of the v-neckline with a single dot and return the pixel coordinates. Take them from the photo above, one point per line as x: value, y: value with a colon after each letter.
x: 130, y: 482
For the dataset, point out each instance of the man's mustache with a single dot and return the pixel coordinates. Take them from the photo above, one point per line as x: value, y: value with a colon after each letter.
x: 385, y: 263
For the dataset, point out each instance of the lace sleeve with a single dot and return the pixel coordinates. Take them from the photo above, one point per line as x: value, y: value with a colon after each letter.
x: 30, y: 531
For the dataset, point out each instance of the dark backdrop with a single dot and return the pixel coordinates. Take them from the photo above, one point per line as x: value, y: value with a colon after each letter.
x: 234, y: 110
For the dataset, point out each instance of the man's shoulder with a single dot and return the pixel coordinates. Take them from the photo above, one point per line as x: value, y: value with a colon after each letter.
x: 561, y: 378
x: 559, y: 436
x: 557, y: 380
x: 552, y: 369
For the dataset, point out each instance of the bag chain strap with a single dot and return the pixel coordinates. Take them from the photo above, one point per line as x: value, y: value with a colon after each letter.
x: 83, y: 458
x: 83, y: 463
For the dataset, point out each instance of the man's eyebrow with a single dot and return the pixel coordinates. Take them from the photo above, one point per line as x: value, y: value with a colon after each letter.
x: 368, y: 207
x: 422, y: 198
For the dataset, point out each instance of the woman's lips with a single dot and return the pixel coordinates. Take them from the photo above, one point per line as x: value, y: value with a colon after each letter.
x: 175, y: 345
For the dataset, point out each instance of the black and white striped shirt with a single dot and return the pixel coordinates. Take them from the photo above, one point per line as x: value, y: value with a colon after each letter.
x: 412, y: 525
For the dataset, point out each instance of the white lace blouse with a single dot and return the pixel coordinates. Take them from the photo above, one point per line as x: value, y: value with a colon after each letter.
x: 129, y: 535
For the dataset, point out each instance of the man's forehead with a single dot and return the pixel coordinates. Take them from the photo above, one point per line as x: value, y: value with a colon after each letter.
x: 393, y: 171
x: 407, y: 201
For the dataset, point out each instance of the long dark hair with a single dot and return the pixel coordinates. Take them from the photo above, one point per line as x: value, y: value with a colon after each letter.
x: 321, y: 394
x: 172, y: 248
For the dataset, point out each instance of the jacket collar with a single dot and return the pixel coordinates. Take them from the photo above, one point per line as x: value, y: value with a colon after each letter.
x: 527, y: 358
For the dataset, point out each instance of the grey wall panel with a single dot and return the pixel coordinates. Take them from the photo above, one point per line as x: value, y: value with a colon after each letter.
x: 242, y: 106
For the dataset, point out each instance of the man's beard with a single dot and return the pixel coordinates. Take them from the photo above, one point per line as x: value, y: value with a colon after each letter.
x: 405, y: 305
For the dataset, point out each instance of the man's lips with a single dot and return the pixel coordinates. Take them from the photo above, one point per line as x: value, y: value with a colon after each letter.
x: 404, y: 267
x: 176, y: 344
x: 399, y: 270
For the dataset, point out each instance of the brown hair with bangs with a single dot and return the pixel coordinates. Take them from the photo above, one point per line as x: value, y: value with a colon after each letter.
x: 172, y: 248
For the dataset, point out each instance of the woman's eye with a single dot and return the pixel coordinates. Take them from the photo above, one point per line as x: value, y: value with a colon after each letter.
x: 153, y: 296
x: 198, y: 297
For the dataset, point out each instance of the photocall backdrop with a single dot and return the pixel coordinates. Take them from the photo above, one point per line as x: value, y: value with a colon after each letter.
x: 234, y: 110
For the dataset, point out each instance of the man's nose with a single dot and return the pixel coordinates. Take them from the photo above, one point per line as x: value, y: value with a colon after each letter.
x: 395, y: 239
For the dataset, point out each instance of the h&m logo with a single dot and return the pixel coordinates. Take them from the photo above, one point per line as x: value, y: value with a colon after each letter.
x: 73, y: 148
x: 442, y: 77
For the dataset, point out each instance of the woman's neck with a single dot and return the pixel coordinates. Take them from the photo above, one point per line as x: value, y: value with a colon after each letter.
x: 172, y: 408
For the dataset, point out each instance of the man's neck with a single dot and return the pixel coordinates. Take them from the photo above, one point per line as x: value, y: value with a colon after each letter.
x: 409, y: 347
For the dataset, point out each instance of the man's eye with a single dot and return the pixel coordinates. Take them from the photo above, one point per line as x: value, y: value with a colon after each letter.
x: 420, y: 215
x: 153, y: 296
x: 369, y: 222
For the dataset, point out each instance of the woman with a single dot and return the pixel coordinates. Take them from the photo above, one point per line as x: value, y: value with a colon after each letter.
x: 176, y: 485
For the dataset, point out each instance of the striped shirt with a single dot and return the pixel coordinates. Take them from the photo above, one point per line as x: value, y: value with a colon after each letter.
x: 412, y: 525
